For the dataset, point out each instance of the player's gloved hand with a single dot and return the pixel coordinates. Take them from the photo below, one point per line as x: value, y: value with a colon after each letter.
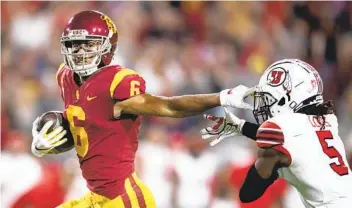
x: 235, y: 97
x: 44, y: 142
x: 226, y: 127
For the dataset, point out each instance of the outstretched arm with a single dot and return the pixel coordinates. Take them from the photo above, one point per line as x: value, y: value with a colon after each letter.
x: 182, y: 106
x: 128, y: 88
x: 177, y: 106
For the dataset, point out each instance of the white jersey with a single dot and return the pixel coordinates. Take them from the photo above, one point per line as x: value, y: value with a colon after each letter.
x: 319, y: 168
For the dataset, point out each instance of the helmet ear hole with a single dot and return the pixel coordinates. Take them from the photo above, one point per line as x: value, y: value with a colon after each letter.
x: 282, y: 101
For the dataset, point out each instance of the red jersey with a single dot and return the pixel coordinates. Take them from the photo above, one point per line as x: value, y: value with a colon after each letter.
x: 105, y: 147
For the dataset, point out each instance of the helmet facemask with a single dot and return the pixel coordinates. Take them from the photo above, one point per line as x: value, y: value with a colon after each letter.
x: 83, y: 54
x: 263, y: 101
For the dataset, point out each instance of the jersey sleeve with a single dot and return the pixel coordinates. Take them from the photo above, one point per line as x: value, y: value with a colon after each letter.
x: 126, y: 83
x: 270, y: 135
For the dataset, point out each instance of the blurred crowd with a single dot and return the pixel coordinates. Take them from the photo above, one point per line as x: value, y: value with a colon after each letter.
x: 179, y: 48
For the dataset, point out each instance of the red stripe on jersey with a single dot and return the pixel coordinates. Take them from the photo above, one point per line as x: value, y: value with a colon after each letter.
x: 264, y: 145
x: 266, y: 130
x: 282, y: 149
x: 126, y: 200
x: 271, y: 125
x: 271, y: 135
x: 138, y: 192
x: 270, y: 140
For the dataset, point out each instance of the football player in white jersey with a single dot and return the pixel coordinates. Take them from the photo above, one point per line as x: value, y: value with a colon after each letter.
x: 297, y: 136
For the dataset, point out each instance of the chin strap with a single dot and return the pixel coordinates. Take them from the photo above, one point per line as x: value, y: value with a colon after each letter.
x: 87, y: 72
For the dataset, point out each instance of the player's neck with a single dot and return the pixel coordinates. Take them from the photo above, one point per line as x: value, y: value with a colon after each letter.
x: 80, y: 80
x: 84, y: 79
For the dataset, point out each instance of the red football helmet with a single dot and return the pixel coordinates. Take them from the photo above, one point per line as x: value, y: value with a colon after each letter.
x: 84, y: 27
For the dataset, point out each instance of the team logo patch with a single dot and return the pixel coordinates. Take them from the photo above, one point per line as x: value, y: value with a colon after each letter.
x: 276, y: 76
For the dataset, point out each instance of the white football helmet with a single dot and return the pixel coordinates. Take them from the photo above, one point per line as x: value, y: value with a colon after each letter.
x: 287, y: 85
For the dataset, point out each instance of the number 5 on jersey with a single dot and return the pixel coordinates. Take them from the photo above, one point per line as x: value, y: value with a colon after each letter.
x: 332, y: 152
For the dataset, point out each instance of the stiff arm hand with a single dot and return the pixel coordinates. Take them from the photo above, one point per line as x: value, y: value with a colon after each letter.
x: 235, y: 97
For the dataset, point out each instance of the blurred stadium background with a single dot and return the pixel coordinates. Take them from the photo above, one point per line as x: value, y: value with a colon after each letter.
x: 179, y: 47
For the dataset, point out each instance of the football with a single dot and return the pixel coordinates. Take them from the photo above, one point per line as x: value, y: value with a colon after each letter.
x: 58, y: 119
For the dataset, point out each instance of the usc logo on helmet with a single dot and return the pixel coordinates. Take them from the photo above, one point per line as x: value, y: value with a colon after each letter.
x: 109, y: 23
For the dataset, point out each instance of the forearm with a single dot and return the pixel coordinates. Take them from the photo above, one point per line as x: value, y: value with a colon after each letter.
x: 190, y: 105
x: 177, y: 106
x: 254, y: 185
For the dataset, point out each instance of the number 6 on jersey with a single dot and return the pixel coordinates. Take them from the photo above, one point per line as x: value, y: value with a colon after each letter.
x: 134, y: 90
x: 79, y: 134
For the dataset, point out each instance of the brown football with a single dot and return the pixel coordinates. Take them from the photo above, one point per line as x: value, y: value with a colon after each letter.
x: 58, y: 119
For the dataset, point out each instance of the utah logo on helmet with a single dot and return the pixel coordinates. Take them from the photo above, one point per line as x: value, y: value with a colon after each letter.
x: 276, y: 76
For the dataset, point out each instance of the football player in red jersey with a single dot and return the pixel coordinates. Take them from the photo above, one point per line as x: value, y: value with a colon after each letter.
x: 102, y: 104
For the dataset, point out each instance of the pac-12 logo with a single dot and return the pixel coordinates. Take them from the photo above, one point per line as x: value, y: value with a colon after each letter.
x: 276, y: 76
